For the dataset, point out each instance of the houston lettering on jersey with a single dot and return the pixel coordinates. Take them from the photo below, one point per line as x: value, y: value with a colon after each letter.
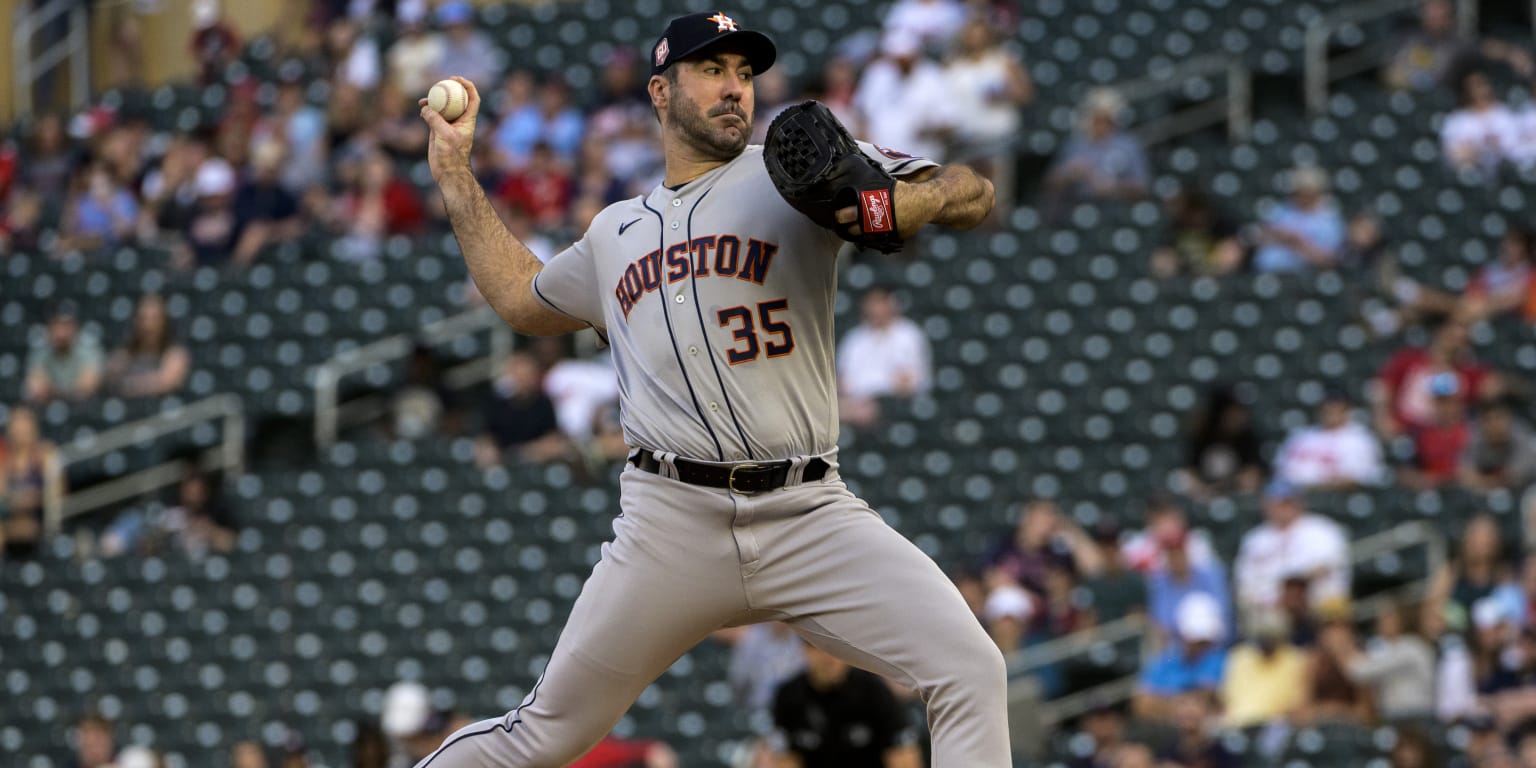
x: 707, y: 256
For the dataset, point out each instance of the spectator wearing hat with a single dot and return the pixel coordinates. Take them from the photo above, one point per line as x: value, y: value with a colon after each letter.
x: 1398, y: 665
x: 1400, y: 395
x: 1192, y: 664
x: 1101, y: 161
x: 265, y: 211
x: 1266, y: 677
x: 210, y: 235
x: 1439, y: 445
x: 64, y: 363
x: 1008, y: 613
x: 467, y: 52
x: 1304, y: 233
x: 1178, y: 577
x: 1291, y: 541
x: 903, y: 99
x: 1337, y: 453
x: 932, y: 22
x: 413, y: 727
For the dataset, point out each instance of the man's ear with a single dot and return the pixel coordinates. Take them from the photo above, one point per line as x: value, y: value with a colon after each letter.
x: 660, y: 91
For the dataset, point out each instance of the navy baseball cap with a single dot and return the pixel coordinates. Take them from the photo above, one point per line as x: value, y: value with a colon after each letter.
x: 699, y: 32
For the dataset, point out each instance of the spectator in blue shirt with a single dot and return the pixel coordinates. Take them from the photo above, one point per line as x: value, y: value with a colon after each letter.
x: 1179, y: 577
x: 1192, y: 665
x: 1102, y: 160
x: 1304, y: 234
x: 101, y: 214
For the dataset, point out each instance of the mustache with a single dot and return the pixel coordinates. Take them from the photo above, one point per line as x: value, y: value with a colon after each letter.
x: 729, y: 109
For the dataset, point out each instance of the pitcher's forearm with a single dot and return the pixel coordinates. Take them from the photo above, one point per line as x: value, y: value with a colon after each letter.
x: 954, y: 196
x: 501, y: 267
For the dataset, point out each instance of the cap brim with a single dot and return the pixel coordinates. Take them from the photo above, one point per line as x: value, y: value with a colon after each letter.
x: 756, y: 46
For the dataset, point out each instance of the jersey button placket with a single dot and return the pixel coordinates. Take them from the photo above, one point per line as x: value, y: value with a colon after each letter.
x: 677, y: 202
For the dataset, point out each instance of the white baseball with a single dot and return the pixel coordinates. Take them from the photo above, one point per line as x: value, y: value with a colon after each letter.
x: 449, y: 98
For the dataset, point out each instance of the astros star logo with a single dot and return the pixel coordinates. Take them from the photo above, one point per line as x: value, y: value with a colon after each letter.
x: 725, y: 23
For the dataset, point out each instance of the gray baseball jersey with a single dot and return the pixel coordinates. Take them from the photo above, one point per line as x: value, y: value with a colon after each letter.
x: 717, y: 299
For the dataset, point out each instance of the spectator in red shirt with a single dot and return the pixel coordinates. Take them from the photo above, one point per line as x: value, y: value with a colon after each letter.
x: 1439, y: 445
x: 1400, y: 396
x: 542, y: 188
x: 214, y: 44
x: 614, y: 752
x: 1503, y: 285
x: 379, y: 204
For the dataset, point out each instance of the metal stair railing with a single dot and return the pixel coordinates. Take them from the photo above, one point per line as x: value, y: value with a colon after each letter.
x: 74, y: 48
x: 1235, y: 107
x: 1319, y: 71
x: 227, y: 456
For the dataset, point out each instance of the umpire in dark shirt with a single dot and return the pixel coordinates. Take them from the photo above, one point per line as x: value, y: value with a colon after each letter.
x: 834, y: 716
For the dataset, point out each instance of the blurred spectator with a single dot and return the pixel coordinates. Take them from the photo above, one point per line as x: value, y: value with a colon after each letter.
x: 150, y: 363
x: 1177, y: 578
x: 1480, y: 134
x: 416, y: 56
x: 1194, y: 743
x: 300, y: 127
x: 95, y: 745
x: 1101, y: 161
x: 1266, y: 677
x: 201, y: 523
x: 772, y: 94
x: 1165, y: 520
x: 1117, y: 590
x: 1303, y: 234
x: 1476, y: 569
x: 348, y: 119
x: 990, y: 87
x: 1486, y: 745
x: 1104, y: 728
x: 139, y: 757
x: 21, y: 223
x: 1291, y: 541
x: 551, y: 122
x: 883, y: 356
x: 1335, y: 454
x: 210, y: 235
x: 1043, y: 539
x: 100, y: 212
x: 398, y: 128
x: 1439, y: 445
x: 834, y: 716
x: 48, y: 161
x: 356, y: 53
x: 1062, y: 609
x: 1400, y: 396
x: 64, y: 364
x: 169, y: 192
x: 1365, y: 253
x: 1397, y: 664
x: 467, y: 52
x: 1413, y: 749
x: 1008, y: 613
x: 1193, y: 664
x: 370, y: 748
x: 613, y: 752
x: 519, y: 224
x: 1425, y: 59
x: 265, y: 212
x: 423, y: 405
x: 582, y: 390
x: 1296, y: 604
x: 32, y: 478
x: 377, y: 205
x: 903, y: 99
x: 542, y: 187
x: 519, y: 417
x: 1134, y: 755
x: 1334, y: 695
x: 931, y: 22
x: 763, y: 656
x: 1200, y: 239
x: 249, y: 754
x: 215, y: 43
x: 1502, y: 286
x: 1221, y: 454
x: 837, y: 87
x: 1455, y: 689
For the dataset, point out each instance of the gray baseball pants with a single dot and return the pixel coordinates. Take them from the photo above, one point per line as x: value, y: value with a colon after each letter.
x: 687, y: 560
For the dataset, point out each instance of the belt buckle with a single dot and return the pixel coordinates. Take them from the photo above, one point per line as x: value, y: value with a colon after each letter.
x: 730, y: 480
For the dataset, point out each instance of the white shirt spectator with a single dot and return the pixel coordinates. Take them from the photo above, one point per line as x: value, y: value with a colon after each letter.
x: 973, y: 87
x: 580, y: 390
x: 904, y: 100
x: 1321, y: 456
x: 1523, y: 150
x: 873, y: 362
x: 1144, y: 554
x: 934, y: 22
x: 1312, y: 545
x: 412, y: 61
x: 1478, y: 139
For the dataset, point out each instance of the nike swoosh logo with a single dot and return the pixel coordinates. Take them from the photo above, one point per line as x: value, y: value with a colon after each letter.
x: 625, y: 226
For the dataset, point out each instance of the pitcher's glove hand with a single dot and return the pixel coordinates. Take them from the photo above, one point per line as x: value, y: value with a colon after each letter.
x: 819, y: 170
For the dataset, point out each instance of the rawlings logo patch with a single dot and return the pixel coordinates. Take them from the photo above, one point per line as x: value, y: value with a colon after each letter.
x: 877, y: 210
x: 662, y: 49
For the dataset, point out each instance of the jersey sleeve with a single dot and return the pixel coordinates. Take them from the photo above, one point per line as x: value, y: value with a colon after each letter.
x: 894, y: 162
x: 568, y: 284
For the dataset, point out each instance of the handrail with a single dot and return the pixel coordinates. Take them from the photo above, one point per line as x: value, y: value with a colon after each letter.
x: 1236, y: 111
x: 1318, y: 72
x: 75, y: 47
x: 228, y: 456
x: 330, y: 412
x: 1399, y: 537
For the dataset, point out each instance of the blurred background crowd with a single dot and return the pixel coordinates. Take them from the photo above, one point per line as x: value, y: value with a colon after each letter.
x: 1254, y: 635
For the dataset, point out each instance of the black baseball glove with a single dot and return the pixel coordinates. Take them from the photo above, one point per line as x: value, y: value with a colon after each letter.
x: 819, y: 170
